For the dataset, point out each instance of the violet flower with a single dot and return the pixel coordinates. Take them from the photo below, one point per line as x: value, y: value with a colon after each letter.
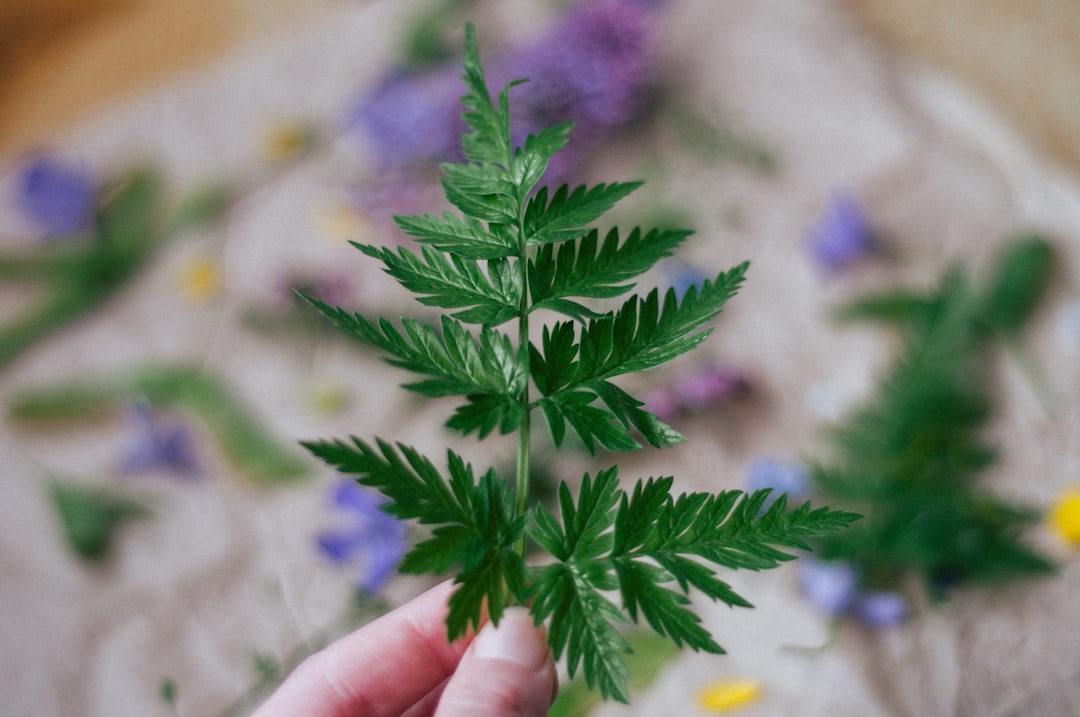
x: 683, y: 276
x: 412, y: 118
x: 159, y: 444
x: 841, y: 236
x: 881, y: 608
x: 707, y: 386
x: 594, y: 66
x: 832, y: 587
x: 372, y: 542
x: 782, y: 477
x: 58, y: 197
x: 696, y: 391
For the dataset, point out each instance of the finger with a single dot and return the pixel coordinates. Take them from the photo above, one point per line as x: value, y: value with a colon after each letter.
x: 427, y: 704
x: 507, y: 672
x: 380, y: 670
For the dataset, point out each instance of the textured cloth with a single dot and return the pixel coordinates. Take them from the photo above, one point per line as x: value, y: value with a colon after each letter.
x: 224, y: 571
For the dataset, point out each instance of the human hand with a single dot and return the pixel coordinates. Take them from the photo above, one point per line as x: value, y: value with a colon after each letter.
x: 401, y: 665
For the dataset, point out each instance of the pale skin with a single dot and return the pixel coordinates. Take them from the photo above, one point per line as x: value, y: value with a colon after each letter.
x: 401, y: 665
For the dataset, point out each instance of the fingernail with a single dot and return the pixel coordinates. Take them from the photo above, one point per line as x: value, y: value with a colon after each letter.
x: 516, y: 639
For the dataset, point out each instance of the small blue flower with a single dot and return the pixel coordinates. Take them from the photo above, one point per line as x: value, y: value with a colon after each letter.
x: 841, y: 235
x: 783, y: 477
x: 373, y: 542
x: 58, y: 197
x: 683, y: 276
x: 159, y: 445
x: 831, y: 587
x: 881, y: 608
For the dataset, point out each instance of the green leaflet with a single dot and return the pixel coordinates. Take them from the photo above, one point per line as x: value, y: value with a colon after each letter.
x: 516, y: 252
x: 90, y: 517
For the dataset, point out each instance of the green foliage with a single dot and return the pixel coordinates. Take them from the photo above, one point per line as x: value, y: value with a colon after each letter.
x: 909, y: 459
x: 519, y: 251
x: 130, y: 226
x: 250, y: 447
x: 90, y: 517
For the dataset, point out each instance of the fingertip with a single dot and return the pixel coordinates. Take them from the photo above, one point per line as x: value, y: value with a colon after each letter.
x: 506, y: 672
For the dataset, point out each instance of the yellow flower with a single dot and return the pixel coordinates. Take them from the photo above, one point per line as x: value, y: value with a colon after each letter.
x: 328, y: 398
x: 200, y: 279
x: 724, y: 695
x: 286, y: 141
x: 342, y: 223
x: 1065, y: 516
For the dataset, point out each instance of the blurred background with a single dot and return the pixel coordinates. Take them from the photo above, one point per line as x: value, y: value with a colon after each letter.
x: 170, y: 171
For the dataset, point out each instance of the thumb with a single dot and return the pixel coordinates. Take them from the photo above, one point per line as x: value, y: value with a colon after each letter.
x: 506, y: 672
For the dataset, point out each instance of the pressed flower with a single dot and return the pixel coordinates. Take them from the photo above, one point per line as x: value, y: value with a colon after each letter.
x: 724, y: 695
x: 783, y: 477
x: 881, y: 608
x: 200, y: 279
x: 159, y: 444
x: 1065, y: 516
x: 370, y: 542
x: 411, y: 118
x: 594, y: 66
x: 841, y: 236
x: 661, y: 402
x: 831, y: 587
x: 698, y: 390
x: 287, y: 141
x: 706, y: 386
x: 341, y: 222
x: 57, y: 196
x: 683, y: 277
x: 328, y: 397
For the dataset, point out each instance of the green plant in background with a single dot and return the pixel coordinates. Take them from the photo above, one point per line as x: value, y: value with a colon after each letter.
x: 909, y: 459
x: 90, y: 517
x: 122, y: 231
x: 242, y: 438
x: 518, y: 249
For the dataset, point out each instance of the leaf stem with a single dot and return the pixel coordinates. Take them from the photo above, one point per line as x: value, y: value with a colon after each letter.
x: 524, y: 433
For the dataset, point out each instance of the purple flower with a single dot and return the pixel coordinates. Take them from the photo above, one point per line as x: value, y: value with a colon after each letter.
x: 372, y: 542
x: 881, y: 608
x: 329, y: 287
x: 841, y: 235
x: 159, y: 445
x: 831, y: 587
x: 412, y: 118
x: 696, y: 391
x: 593, y: 67
x: 661, y: 402
x: 783, y: 477
x: 58, y: 197
x: 706, y: 386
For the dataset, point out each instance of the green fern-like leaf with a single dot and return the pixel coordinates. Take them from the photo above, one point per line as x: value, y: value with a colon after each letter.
x: 517, y: 251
